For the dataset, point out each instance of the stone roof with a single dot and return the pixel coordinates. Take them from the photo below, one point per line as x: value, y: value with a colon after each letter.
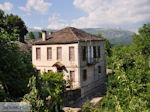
x: 68, y: 35
x: 27, y: 45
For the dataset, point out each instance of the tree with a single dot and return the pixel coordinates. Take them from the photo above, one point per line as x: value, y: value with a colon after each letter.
x: 10, y: 22
x: 39, y: 35
x: 2, y: 19
x: 46, y: 91
x: 31, y: 35
x: 142, y: 40
x: 15, y: 67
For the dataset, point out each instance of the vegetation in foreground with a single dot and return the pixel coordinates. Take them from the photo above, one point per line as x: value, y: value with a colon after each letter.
x: 129, y: 88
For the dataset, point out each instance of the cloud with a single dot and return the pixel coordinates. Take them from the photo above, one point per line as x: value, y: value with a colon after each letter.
x: 38, y: 5
x: 7, y: 6
x: 115, y: 12
x: 37, y: 28
x: 56, y: 22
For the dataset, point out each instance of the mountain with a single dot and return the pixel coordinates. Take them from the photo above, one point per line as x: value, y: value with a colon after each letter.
x: 115, y: 36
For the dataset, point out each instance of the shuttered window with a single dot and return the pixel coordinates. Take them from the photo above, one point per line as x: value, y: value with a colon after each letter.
x: 99, y: 52
x: 49, y: 71
x: 59, y: 53
x: 38, y: 53
x: 38, y: 71
x: 84, y: 53
x: 99, y: 69
x: 72, y: 76
x: 49, y: 53
x: 94, y: 51
x: 71, y: 54
x: 84, y: 75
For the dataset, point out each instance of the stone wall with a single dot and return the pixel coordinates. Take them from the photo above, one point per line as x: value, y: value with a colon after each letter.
x: 71, y: 96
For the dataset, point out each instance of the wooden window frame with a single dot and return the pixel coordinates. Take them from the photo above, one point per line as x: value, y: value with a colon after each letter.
x: 73, y: 77
x: 99, y: 51
x: 49, y: 70
x: 84, y: 75
x: 38, y: 57
x: 94, y: 52
x: 38, y: 71
x: 60, y: 53
x: 71, y: 56
x: 84, y: 53
x: 99, y: 69
x: 49, y: 57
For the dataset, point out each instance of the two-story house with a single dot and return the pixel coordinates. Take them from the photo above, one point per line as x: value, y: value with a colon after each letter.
x: 81, y: 56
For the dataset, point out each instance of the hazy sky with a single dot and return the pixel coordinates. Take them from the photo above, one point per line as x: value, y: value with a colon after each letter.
x: 57, y: 14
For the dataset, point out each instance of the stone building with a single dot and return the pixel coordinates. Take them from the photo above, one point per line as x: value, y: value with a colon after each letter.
x: 81, y: 56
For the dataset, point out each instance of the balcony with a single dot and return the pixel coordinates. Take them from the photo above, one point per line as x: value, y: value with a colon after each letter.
x: 92, y: 61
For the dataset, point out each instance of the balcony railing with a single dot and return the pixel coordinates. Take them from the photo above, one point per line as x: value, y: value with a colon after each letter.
x: 92, y: 61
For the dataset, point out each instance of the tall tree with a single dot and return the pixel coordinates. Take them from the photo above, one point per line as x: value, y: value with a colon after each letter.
x: 39, y: 35
x: 142, y: 39
x: 31, y: 35
x: 14, y: 22
x: 15, y: 67
x: 10, y: 22
x: 2, y: 19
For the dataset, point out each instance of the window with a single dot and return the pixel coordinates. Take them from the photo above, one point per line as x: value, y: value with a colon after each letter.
x: 84, y: 53
x: 38, y: 53
x: 99, y: 52
x: 71, y: 54
x: 49, y: 70
x: 38, y: 71
x: 59, y: 69
x: 99, y: 69
x: 94, y: 51
x: 72, y: 76
x: 49, y: 53
x: 84, y: 75
x: 59, y: 53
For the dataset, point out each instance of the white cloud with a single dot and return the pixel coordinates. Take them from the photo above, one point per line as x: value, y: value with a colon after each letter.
x: 37, y: 28
x: 115, y: 12
x: 56, y: 22
x: 7, y: 6
x: 38, y: 5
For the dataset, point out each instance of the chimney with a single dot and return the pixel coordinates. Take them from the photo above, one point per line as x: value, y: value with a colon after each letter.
x: 44, y: 35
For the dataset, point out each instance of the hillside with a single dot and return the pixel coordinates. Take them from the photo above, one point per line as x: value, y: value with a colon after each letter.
x: 115, y: 36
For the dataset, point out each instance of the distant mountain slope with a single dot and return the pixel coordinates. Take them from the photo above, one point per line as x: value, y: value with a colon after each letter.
x: 115, y: 36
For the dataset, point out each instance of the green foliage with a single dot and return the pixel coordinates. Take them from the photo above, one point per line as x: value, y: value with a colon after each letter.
x: 46, y: 92
x: 15, y: 68
x: 39, y: 35
x: 99, y: 35
x: 31, y: 35
x: 2, y: 19
x: 33, y: 97
x: 11, y: 22
x: 142, y: 40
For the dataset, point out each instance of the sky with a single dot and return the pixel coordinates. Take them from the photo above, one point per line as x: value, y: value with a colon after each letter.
x: 57, y: 14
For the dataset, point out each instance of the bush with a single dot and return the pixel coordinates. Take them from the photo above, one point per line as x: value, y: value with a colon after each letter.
x: 46, y: 92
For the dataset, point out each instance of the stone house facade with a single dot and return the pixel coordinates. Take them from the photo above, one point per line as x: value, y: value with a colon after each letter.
x: 81, y: 56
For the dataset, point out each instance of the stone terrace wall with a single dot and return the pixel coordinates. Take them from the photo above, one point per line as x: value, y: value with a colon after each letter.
x: 71, y: 96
